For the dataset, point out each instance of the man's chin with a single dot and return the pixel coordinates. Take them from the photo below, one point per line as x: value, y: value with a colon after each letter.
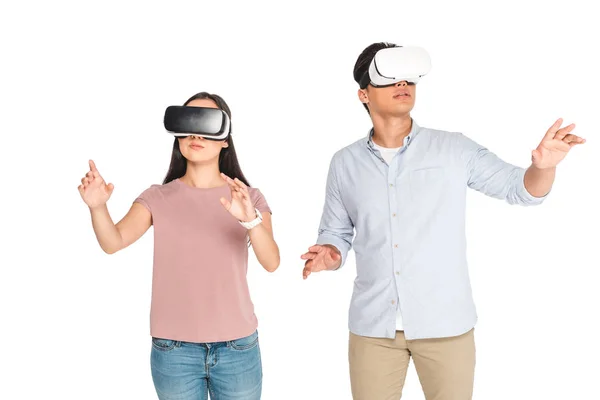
x: 400, y: 112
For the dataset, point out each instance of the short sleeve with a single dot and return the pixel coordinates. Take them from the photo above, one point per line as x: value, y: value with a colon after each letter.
x: 146, y: 198
x: 259, y: 201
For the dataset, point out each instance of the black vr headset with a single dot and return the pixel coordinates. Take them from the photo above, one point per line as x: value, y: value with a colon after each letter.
x: 209, y: 123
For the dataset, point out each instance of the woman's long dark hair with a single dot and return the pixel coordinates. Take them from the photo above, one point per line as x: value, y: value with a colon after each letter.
x: 228, y: 162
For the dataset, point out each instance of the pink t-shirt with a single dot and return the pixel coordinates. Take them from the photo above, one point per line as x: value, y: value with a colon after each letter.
x: 199, y: 288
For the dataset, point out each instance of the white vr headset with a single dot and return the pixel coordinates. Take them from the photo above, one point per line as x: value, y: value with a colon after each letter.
x: 396, y: 64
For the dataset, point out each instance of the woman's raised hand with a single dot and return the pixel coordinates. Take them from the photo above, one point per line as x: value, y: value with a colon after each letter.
x: 94, y: 191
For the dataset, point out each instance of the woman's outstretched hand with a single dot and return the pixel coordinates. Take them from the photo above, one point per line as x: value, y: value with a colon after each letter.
x: 93, y: 190
x: 240, y: 206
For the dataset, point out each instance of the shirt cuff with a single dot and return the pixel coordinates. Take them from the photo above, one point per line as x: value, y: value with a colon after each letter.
x: 340, y: 244
x: 527, y: 198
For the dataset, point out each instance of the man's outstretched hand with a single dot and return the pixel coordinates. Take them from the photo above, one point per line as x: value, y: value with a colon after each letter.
x: 320, y: 258
x: 555, y: 145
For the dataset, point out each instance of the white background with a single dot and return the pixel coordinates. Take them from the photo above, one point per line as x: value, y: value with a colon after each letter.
x: 85, y: 80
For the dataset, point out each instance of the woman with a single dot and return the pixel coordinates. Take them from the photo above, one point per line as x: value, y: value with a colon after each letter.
x: 203, y: 326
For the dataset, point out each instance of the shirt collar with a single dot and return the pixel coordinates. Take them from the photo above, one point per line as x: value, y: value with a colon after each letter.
x: 414, y: 130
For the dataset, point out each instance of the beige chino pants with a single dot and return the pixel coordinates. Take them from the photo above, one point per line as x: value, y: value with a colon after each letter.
x: 446, y: 367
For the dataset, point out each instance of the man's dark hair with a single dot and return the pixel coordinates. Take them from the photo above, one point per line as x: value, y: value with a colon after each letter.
x: 361, y: 67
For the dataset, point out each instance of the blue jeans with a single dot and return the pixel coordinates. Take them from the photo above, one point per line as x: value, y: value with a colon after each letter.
x: 190, y: 371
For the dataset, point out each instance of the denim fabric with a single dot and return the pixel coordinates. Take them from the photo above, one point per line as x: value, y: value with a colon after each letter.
x: 191, y: 371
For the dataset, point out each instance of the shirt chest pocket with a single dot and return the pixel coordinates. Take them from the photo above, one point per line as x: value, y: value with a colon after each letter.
x: 428, y: 182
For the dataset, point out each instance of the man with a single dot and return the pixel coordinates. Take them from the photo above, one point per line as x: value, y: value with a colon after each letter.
x: 402, y: 191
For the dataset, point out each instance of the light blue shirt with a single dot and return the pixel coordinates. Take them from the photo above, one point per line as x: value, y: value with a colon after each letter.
x: 406, y: 224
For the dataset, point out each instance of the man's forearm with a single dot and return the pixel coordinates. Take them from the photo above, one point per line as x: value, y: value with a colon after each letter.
x: 538, y: 182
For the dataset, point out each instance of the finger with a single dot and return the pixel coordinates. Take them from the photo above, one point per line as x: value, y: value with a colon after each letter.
x: 240, y: 183
x: 231, y: 183
x: 553, y: 129
x: 246, y: 199
x: 573, y: 138
x: 80, y: 188
x: 227, y: 178
x: 238, y: 196
x: 233, y: 190
x: 93, y: 173
x: 313, y: 266
x: 94, y: 176
x: 316, y: 248
x: 561, y: 133
x: 331, y: 257
x: 307, y: 269
x: 243, y: 188
x: 242, y: 192
x: 109, y: 188
x: 308, y: 256
x: 575, y: 143
x: 334, y: 255
x: 226, y: 203
x: 93, y: 166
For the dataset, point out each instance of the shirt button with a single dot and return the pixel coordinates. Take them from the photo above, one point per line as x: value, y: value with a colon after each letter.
x: 396, y: 246
x: 391, y: 185
x: 393, y: 301
x: 394, y: 214
x: 397, y: 272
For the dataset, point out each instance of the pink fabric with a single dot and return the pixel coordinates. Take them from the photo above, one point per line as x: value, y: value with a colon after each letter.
x: 199, y: 287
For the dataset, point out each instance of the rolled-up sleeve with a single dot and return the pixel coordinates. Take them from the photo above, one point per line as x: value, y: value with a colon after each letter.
x: 336, y: 227
x: 494, y: 177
